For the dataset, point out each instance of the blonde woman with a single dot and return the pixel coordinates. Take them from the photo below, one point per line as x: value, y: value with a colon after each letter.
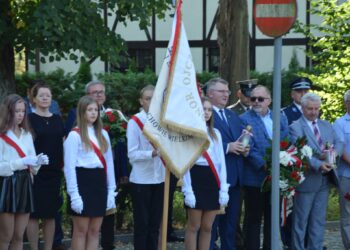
x: 89, y: 173
x: 205, y: 188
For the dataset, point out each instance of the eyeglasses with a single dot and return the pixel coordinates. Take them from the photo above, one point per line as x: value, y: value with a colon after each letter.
x: 259, y: 98
x: 223, y: 91
x: 97, y: 93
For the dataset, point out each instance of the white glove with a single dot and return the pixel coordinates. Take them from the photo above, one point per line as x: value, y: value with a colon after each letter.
x: 5, y: 171
x: 223, y: 194
x: 190, y: 199
x: 77, y: 203
x: 111, y: 199
x: 42, y: 159
x: 223, y: 198
x: 29, y: 160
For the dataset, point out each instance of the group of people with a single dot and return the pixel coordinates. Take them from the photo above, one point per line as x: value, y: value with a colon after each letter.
x: 37, y: 149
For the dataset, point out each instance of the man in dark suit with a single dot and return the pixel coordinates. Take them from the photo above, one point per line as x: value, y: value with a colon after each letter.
x: 243, y: 94
x: 230, y: 127
x: 300, y: 87
x: 258, y: 203
x: 310, y: 204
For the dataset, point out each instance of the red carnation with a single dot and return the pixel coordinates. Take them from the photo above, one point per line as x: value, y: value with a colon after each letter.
x: 124, y: 125
x: 284, y: 145
x: 294, y: 175
x: 298, y: 163
x: 347, y: 196
x: 269, y: 178
x: 111, y: 117
x: 107, y: 128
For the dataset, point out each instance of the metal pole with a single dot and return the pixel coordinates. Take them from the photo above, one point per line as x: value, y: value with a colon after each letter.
x: 275, y: 193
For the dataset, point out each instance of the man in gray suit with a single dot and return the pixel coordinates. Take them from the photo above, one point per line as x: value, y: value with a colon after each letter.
x: 310, y: 204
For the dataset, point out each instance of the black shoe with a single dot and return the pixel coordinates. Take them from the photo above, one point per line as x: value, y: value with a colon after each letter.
x: 172, y: 237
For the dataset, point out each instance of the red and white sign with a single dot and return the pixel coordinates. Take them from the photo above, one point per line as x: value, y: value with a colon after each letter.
x: 275, y: 17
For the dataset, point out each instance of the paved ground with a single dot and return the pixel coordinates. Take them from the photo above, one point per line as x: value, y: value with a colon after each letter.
x: 332, y: 239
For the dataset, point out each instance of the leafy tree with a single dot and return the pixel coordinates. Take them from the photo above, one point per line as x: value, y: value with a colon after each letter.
x: 64, y: 28
x: 330, y: 53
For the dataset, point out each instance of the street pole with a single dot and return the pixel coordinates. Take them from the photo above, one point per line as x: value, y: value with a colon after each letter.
x: 276, y: 116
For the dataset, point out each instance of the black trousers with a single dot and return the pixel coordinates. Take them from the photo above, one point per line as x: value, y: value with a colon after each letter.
x: 107, y: 232
x: 257, y: 206
x: 147, y: 202
x: 172, y: 187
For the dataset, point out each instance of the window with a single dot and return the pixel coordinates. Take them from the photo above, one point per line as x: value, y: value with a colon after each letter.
x: 135, y: 59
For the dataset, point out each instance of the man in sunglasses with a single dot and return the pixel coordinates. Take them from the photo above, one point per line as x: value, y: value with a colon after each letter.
x: 257, y: 203
x: 243, y: 94
x: 300, y: 87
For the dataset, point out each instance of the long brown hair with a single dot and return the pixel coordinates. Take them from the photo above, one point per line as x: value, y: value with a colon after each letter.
x: 82, y: 124
x: 7, y: 113
x: 210, y: 122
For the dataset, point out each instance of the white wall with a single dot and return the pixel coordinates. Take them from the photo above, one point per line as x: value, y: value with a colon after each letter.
x: 192, y: 18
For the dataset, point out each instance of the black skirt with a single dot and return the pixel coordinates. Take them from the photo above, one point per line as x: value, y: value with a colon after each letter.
x: 16, y: 193
x: 205, y: 188
x: 92, y: 186
x: 46, y: 191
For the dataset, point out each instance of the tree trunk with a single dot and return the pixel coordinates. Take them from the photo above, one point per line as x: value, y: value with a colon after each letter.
x: 233, y: 40
x: 7, y: 57
x: 7, y: 71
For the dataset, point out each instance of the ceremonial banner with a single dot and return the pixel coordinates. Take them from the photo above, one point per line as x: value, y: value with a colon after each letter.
x: 175, y: 122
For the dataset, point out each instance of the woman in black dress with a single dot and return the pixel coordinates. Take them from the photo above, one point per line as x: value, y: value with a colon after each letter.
x: 48, y: 138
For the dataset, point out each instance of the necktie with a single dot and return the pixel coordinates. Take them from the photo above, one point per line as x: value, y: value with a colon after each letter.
x: 221, y: 111
x: 317, y: 134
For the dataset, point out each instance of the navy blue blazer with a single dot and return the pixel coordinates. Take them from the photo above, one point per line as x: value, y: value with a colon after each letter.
x: 292, y: 112
x: 234, y: 163
x: 254, y: 171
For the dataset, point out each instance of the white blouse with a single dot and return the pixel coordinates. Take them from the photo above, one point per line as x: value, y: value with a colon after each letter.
x: 145, y: 168
x: 216, y: 153
x: 75, y: 155
x: 9, y: 158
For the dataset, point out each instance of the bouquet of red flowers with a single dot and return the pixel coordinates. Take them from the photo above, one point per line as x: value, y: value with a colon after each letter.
x: 293, y: 164
x: 115, y: 123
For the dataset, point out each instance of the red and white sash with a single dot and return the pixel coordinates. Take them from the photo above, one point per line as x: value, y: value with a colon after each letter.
x: 97, y: 151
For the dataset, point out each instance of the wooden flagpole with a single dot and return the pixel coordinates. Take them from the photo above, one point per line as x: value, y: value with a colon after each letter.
x: 164, y: 224
x: 165, y: 210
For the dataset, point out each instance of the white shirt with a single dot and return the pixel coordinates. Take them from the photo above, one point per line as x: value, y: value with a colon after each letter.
x: 9, y: 158
x: 145, y: 168
x: 267, y: 122
x: 217, y: 156
x: 342, y: 128
x: 311, y: 126
x: 75, y: 155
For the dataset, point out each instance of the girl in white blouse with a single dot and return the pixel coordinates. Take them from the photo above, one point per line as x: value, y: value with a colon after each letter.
x: 17, y: 161
x: 205, y: 188
x: 89, y: 173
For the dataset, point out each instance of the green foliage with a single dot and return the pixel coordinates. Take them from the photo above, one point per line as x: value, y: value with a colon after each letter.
x: 205, y: 76
x: 330, y: 54
x: 68, y: 29
x: 179, y: 213
x: 333, y: 205
x: 84, y: 73
x: 123, y: 89
x: 66, y: 90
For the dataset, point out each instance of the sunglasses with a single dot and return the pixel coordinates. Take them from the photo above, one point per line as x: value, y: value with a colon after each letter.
x: 259, y: 98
